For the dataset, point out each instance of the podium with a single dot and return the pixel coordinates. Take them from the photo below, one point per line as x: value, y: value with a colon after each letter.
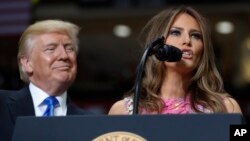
x: 191, y: 127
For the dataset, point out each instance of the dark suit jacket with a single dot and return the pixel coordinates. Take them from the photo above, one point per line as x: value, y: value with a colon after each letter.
x: 19, y: 103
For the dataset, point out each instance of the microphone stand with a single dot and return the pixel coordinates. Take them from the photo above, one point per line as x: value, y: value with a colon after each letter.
x: 140, y: 71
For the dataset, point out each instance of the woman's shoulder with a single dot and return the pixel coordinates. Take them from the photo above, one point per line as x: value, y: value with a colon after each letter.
x: 232, y: 105
x: 118, y: 108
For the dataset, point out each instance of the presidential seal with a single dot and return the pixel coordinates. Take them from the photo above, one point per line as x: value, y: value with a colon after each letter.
x: 119, y: 136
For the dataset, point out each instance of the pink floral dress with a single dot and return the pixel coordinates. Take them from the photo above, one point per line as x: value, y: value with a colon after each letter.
x: 172, y: 106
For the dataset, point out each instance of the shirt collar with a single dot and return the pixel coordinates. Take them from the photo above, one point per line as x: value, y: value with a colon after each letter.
x: 38, y: 95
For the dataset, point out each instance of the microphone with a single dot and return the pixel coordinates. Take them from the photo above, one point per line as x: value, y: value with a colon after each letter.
x: 168, y: 53
x: 162, y: 52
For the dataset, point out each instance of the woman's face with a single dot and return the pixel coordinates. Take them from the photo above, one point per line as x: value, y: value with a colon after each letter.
x: 185, y: 34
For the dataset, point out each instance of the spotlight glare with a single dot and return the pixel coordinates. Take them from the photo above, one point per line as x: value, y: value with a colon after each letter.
x: 224, y: 27
x: 122, y: 31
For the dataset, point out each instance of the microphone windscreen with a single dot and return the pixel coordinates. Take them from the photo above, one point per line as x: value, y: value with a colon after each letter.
x: 168, y: 53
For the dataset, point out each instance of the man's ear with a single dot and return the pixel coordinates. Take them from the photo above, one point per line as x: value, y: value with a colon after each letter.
x: 26, y: 64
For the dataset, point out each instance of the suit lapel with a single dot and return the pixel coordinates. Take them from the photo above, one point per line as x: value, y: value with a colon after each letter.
x: 20, y: 103
x: 71, y: 110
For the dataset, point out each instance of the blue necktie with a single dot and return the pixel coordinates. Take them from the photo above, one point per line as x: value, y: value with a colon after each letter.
x: 51, y: 103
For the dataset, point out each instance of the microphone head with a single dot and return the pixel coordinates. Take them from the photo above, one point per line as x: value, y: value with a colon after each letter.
x: 168, y: 53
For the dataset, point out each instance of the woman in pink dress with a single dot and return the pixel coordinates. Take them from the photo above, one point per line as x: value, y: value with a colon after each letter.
x: 191, y: 85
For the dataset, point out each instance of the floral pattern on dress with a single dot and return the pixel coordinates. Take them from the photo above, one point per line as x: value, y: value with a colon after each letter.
x: 172, y: 106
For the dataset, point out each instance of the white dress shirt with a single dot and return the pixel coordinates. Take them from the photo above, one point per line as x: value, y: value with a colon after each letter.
x: 38, y: 97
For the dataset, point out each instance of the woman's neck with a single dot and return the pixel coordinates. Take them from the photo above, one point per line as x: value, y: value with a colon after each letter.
x: 175, y: 86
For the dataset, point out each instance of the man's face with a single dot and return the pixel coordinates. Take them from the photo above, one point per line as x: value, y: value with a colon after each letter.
x: 52, y: 62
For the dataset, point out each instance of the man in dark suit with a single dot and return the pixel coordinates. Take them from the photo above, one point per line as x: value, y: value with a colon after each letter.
x: 47, y: 62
